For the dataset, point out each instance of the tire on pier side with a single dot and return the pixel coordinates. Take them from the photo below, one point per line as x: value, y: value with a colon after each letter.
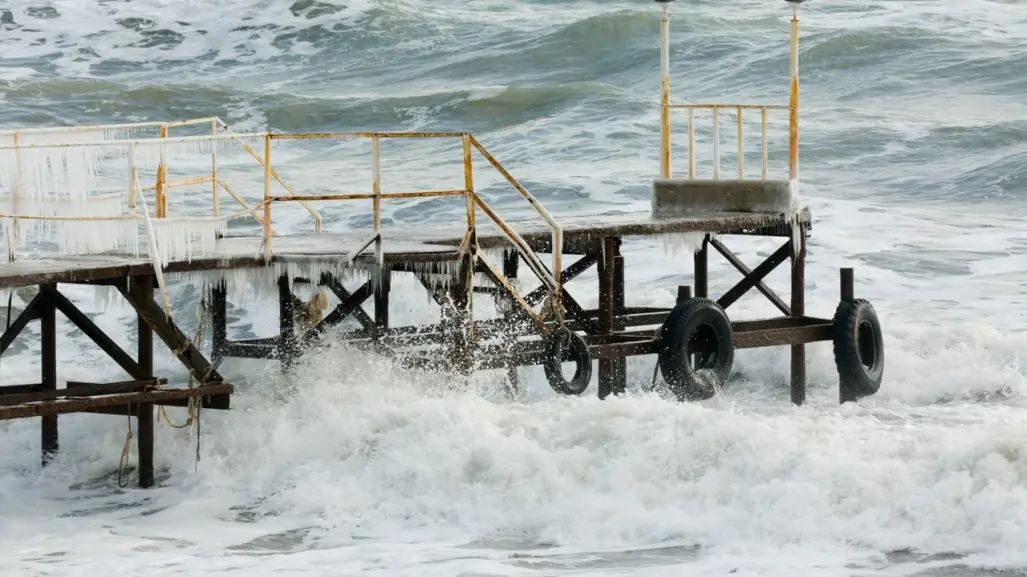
x: 858, y: 347
x: 701, y: 324
x: 560, y: 344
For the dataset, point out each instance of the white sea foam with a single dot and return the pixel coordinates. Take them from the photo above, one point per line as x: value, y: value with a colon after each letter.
x: 352, y: 465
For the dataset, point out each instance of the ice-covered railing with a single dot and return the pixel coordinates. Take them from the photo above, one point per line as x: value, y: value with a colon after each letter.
x: 69, y: 181
x: 26, y: 137
x: 473, y: 202
x: 667, y: 107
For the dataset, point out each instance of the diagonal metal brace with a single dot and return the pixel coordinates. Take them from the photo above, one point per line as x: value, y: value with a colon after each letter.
x: 27, y: 315
x: 746, y: 271
x: 758, y: 274
x: 80, y: 320
x: 173, y: 337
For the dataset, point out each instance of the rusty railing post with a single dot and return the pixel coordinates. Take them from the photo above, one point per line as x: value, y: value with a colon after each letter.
x: 267, y: 196
x: 664, y: 90
x: 793, y: 106
x: 214, y: 167
x: 161, y: 210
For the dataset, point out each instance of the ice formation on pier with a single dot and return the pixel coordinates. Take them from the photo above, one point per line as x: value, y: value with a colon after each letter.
x: 66, y: 191
x: 676, y: 242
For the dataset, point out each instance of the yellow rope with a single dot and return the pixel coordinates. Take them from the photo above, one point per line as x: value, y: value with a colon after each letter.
x: 125, y: 452
x: 188, y: 422
x: 198, y: 338
x: 314, y: 310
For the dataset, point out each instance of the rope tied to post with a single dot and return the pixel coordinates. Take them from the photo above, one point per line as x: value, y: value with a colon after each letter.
x: 202, y: 317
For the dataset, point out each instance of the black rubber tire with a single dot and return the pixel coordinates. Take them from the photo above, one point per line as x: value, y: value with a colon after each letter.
x: 858, y: 348
x: 705, y: 320
x: 561, y: 344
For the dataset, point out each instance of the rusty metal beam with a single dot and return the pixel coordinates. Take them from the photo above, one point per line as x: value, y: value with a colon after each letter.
x: 570, y: 273
x: 78, y: 405
x: 30, y: 313
x: 350, y: 304
x: 746, y: 271
x: 80, y: 389
x: 182, y: 347
x: 95, y: 334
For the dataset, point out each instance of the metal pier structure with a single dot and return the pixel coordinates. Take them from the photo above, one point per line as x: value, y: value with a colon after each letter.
x: 81, y: 191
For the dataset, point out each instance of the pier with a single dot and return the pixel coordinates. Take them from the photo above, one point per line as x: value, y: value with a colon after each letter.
x: 108, y: 206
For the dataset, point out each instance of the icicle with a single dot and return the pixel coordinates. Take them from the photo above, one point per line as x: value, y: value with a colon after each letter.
x: 94, y: 206
x: 176, y: 236
x: 103, y: 297
x: 93, y: 236
x: 675, y: 242
x: 261, y: 284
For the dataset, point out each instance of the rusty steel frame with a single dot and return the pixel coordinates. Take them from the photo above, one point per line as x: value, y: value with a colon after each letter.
x: 134, y: 398
x: 613, y: 331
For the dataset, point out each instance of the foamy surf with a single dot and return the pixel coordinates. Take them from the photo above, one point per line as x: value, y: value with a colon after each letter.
x: 910, y: 169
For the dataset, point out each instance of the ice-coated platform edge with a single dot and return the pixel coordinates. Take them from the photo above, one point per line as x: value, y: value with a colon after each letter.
x: 414, y: 247
x: 686, y: 196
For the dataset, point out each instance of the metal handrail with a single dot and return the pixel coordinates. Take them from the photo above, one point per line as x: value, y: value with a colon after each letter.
x: 551, y: 280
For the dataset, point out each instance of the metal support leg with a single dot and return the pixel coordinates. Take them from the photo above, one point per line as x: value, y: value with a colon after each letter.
x: 701, y: 258
x: 219, y: 322
x: 511, y: 261
x: 143, y: 287
x: 798, y: 310
x: 381, y: 301
x: 462, y: 327
x: 48, y: 361
x: 287, y: 346
x: 611, y: 379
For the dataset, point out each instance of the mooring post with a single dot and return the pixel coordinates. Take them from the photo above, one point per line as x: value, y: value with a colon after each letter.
x: 142, y: 286
x: 848, y: 292
x: 684, y: 293
x: 48, y: 363
x: 611, y: 380
x: 287, y: 348
x: 799, y: 310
